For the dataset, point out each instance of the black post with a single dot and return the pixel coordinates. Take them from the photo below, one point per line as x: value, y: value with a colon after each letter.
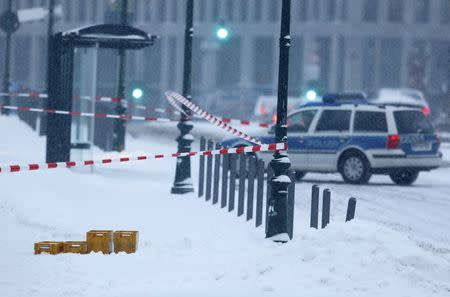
x: 201, y: 176
x: 241, y: 190
x: 209, y: 164
x: 119, y: 125
x: 51, y: 20
x: 291, y: 204
x: 182, y: 182
x: 251, y: 186
x: 277, y: 226
x: 314, y: 207
x: 351, y: 209
x: 225, y: 163
x: 216, y: 176
x: 7, y: 63
x: 326, y: 199
x: 232, y: 191
x: 259, y: 192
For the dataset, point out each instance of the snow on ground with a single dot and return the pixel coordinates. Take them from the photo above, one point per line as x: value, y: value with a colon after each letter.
x: 398, y: 245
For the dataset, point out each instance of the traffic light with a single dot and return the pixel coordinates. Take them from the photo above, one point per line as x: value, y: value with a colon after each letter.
x: 312, y: 90
x: 311, y: 95
x: 137, y: 93
x: 222, y: 32
x: 136, y: 90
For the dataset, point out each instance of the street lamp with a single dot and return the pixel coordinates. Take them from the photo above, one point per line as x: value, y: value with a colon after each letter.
x: 182, y: 183
x: 277, y: 222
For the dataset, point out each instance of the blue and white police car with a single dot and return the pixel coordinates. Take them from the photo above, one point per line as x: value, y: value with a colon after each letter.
x: 346, y: 134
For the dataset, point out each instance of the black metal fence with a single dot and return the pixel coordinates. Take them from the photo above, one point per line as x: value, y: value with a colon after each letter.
x: 240, y: 182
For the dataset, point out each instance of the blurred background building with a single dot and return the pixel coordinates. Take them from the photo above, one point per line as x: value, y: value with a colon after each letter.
x: 337, y: 45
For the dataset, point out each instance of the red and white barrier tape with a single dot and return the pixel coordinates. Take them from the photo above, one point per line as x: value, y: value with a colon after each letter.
x: 175, y: 99
x: 138, y: 106
x: 70, y: 164
x: 87, y: 114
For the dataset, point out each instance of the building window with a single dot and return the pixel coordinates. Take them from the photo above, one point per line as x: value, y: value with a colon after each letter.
x: 302, y: 13
x: 94, y: 11
x: 258, y: 11
x: 445, y: 11
x: 370, y: 11
x: 422, y: 11
x: 264, y: 62
x: 228, y: 63
x: 22, y: 59
x: 344, y: 10
x: 229, y: 10
x: 215, y: 11
x: 390, y: 62
x: 174, y: 11
x: 68, y: 11
x: 148, y: 10
x: 162, y: 7
x: 244, y: 11
x: 331, y: 10
x: 395, y: 11
x: 368, y: 63
x: 316, y: 9
x: 202, y: 10
x: 274, y: 10
x: 82, y: 10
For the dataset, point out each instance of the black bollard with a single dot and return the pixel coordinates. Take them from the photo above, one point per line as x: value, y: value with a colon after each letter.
x: 201, y: 176
x: 326, y: 198
x: 351, y: 209
x: 314, y: 207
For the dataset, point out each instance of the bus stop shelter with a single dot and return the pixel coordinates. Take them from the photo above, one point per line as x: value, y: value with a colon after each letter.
x: 73, y: 77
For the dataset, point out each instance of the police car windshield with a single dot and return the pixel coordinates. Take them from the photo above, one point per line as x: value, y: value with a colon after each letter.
x: 411, y: 122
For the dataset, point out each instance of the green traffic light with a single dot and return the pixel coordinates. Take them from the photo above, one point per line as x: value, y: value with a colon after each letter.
x: 137, y: 93
x: 222, y: 33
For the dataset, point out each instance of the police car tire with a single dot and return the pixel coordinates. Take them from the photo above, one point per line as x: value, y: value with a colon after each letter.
x: 366, y: 170
x: 404, y: 177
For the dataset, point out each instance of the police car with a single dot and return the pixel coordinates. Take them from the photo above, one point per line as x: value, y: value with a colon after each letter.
x: 346, y: 134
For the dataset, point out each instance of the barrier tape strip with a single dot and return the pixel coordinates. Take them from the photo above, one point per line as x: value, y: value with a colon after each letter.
x: 71, y: 164
x: 175, y: 99
x: 87, y: 114
x: 138, y: 106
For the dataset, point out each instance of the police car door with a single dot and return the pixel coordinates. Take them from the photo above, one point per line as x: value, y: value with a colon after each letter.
x: 298, y: 125
x: 331, y: 133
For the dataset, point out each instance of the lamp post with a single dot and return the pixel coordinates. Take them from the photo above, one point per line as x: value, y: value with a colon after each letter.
x: 277, y: 223
x: 183, y: 182
x: 119, y: 125
x: 50, y: 24
x: 9, y: 24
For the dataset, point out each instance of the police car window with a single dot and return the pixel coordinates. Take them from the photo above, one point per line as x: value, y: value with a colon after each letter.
x: 334, y: 120
x: 411, y: 122
x: 369, y: 121
x: 301, y: 121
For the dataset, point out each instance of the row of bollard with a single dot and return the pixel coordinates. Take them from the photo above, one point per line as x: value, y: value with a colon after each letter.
x: 326, y: 202
x: 239, y: 182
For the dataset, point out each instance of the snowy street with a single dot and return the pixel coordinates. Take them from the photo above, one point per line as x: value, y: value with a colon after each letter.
x: 398, y: 245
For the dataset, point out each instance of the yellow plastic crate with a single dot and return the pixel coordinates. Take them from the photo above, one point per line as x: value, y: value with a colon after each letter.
x: 50, y: 247
x: 99, y: 241
x: 76, y: 247
x: 126, y: 241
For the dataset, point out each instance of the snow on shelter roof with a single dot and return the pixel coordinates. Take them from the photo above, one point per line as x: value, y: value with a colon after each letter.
x: 109, y: 36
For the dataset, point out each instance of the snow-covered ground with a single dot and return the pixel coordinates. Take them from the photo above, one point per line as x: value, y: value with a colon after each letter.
x: 398, y: 245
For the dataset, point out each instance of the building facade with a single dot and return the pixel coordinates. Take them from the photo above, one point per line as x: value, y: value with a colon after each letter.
x: 338, y: 44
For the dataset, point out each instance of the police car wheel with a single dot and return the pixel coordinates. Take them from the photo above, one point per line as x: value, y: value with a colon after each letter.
x: 299, y: 175
x: 355, y: 169
x: 404, y: 177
